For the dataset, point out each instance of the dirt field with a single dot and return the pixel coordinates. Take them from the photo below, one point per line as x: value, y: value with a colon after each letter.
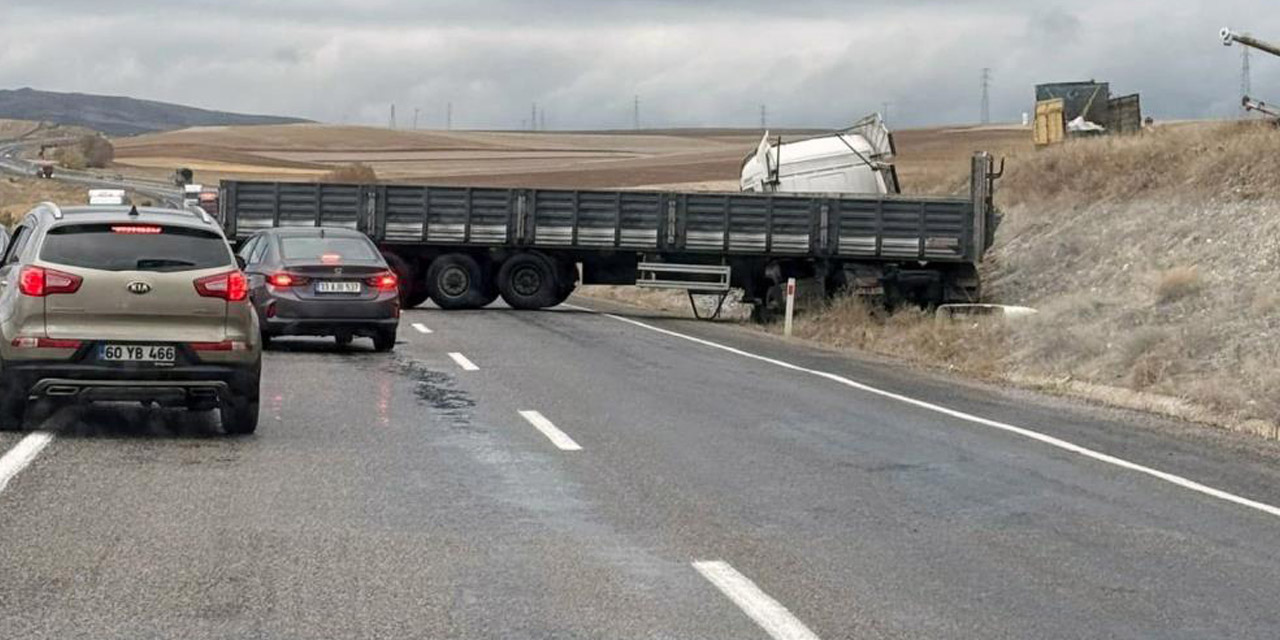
x: 931, y: 160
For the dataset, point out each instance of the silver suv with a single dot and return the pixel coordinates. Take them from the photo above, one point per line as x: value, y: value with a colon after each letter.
x: 117, y: 303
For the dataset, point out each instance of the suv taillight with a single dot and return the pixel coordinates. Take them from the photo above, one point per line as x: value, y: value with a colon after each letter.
x: 385, y: 281
x: 231, y: 286
x: 39, y: 282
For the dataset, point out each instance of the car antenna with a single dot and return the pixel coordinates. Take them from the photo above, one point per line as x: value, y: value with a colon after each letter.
x: 133, y: 210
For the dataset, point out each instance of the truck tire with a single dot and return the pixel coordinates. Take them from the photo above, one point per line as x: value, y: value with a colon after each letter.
x: 528, y: 281
x: 456, y: 281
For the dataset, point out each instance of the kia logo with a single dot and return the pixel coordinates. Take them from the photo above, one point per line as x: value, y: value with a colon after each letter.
x: 138, y: 287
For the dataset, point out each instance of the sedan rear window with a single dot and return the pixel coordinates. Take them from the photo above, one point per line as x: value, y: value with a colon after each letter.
x: 135, y: 247
x: 327, y: 248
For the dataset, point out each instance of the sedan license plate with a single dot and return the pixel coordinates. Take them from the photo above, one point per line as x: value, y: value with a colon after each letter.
x: 337, y: 287
x: 138, y: 353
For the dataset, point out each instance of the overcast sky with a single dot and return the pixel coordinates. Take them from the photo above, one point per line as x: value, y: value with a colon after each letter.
x: 693, y: 63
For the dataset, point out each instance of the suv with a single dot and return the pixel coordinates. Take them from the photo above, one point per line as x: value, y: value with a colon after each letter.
x: 115, y: 303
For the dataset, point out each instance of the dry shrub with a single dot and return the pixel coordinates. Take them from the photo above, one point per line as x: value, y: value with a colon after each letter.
x: 975, y: 345
x: 1177, y: 283
x: 71, y: 158
x: 355, y: 173
x: 97, y: 151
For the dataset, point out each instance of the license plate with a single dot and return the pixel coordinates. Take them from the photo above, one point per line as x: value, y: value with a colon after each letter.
x: 337, y: 287
x: 137, y: 353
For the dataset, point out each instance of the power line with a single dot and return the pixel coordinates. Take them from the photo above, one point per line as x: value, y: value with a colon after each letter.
x: 533, y: 118
x: 986, y: 95
x: 884, y: 111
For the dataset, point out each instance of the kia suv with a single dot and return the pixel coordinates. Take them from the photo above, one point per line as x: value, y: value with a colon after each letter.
x: 117, y: 303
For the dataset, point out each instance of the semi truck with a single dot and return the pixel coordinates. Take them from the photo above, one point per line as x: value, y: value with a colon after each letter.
x: 463, y: 247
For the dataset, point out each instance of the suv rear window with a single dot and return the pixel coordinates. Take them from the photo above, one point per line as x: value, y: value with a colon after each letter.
x: 135, y: 247
x: 316, y: 247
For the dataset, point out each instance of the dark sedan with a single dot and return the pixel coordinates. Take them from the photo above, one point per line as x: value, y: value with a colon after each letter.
x: 322, y: 282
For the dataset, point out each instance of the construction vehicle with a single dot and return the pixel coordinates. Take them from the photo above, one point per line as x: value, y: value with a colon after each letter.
x: 44, y: 171
x: 1250, y: 104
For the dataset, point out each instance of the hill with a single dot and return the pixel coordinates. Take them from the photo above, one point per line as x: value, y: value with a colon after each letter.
x: 118, y: 115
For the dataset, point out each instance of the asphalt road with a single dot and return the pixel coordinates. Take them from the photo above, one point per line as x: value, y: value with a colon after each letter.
x: 674, y: 490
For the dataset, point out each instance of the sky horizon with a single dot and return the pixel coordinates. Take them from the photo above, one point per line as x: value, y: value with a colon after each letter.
x: 714, y: 63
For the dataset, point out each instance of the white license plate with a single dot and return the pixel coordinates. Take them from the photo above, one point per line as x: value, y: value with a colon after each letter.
x: 138, y: 353
x: 337, y: 287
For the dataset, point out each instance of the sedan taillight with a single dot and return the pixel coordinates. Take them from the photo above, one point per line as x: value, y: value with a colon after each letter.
x: 231, y: 286
x: 385, y: 281
x: 285, y: 280
x: 39, y: 282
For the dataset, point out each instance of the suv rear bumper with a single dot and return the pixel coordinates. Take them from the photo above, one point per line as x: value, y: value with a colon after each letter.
x: 186, y: 385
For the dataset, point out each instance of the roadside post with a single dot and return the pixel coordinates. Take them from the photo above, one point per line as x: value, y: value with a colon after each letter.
x: 791, y: 305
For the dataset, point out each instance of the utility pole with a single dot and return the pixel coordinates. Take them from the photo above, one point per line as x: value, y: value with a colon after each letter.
x: 1246, y: 81
x: 533, y: 118
x: 448, y: 117
x: 884, y: 111
x: 392, y: 122
x: 415, y: 116
x: 764, y: 118
x: 542, y: 119
x: 635, y: 113
x: 986, y: 95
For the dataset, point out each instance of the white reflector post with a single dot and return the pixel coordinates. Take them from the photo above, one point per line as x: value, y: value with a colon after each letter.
x: 791, y: 304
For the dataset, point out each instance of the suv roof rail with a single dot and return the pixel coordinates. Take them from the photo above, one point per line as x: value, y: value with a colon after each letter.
x: 198, y: 211
x: 53, y: 209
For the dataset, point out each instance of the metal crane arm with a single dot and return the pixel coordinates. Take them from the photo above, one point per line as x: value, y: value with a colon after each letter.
x: 1229, y: 36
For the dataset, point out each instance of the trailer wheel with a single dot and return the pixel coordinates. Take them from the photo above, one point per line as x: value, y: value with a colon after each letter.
x: 456, y: 281
x: 528, y: 281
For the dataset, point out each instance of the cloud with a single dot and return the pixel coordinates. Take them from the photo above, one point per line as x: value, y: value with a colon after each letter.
x: 814, y: 63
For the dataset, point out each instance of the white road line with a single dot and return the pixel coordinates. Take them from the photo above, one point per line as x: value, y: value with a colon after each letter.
x: 21, y: 455
x: 555, y: 435
x: 422, y: 328
x: 463, y: 362
x: 767, y: 612
x: 1021, y: 431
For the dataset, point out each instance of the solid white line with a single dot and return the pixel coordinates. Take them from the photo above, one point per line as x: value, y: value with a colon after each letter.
x: 463, y: 362
x: 555, y: 435
x: 422, y: 328
x: 767, y: 612
x: 1021, y: 431
x: 21, y: 455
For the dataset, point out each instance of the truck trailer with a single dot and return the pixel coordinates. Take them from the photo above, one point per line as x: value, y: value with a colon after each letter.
x: 463, y: 247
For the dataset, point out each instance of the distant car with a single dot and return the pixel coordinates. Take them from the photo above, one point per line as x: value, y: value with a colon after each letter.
x: 319, y: 281
x: 117, y: 303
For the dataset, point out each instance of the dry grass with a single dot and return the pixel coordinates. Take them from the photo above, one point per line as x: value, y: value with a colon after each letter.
x: 1100, y: 235
x: 19, y: 195
x: 354, y: 173
x: 1177, y: 283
